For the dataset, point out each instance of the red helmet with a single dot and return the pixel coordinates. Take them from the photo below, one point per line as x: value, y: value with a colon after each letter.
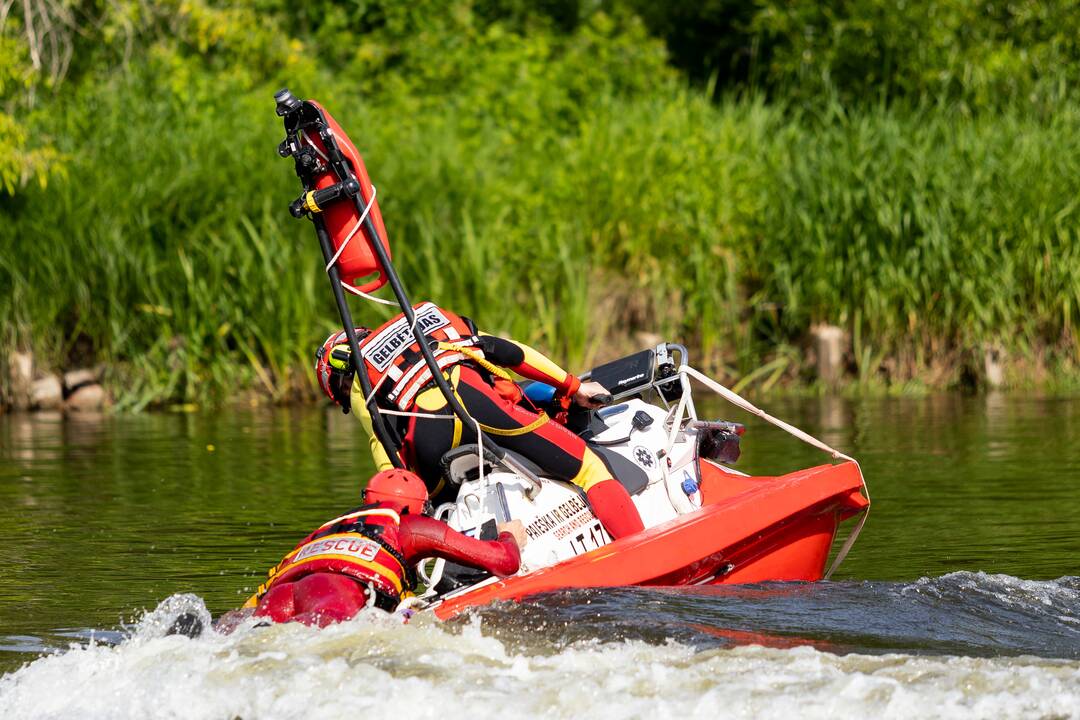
x: 400, y: 488
x: 333, y: 368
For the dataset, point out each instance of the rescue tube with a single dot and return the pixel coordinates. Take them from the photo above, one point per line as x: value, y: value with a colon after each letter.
x: 358, y: 263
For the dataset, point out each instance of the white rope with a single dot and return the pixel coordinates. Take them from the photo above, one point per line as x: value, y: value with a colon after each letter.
x: 739, y: 401
x: 322, y: 154
x: 341, y: 249
x: 359, y: 223
x: 356, y: 228
x: 360, y: 293
x: 315, y: 147
x: 676, y: 422
x: 749, y: 407
x: 402, y: 413
x: 480, y: 447
x: 367, y: 400
x: 385, y: 512
x: 451, y: 416
x: 370, y: 596
x: 850, y: 542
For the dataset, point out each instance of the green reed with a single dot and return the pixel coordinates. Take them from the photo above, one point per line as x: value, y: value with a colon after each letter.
x: 167, y: 251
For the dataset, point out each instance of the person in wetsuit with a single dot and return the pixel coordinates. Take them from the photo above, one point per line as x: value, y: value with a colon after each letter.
x: 475, y: 365
x: 366, y: 557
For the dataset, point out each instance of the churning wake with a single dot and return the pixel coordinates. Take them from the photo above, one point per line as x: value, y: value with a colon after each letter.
x: 627, y: 653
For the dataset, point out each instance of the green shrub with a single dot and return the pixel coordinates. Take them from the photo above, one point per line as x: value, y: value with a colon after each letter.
x: 555, y: 181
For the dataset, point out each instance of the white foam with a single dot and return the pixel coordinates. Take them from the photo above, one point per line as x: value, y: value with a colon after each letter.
x: 429, y: 670
x: 1003, y: 587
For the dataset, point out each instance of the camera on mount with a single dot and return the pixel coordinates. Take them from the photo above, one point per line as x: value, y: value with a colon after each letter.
x: 670, y: 391
x: 286, y: 102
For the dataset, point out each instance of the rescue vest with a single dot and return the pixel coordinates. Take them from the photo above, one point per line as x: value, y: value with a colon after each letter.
x: 392, y: 356
x: 363, y: 544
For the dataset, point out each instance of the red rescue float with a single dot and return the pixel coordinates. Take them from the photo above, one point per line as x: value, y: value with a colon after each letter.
x: 357, y: 262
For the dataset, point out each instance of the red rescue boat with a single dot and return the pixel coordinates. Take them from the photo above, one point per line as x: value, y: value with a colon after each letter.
x: 705, y: 523
x: 749, y: 529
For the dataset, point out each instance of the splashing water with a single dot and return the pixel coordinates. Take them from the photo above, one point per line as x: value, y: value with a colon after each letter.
x: 959, y: 484
x: 599, y: 653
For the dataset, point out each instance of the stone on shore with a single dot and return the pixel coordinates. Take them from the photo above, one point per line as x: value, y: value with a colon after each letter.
x: 76, y: 378
x: 829, y: 348
x: 47, y: 393
x: 87, y: 398
x: 21, y: 375
x: 994, y: 365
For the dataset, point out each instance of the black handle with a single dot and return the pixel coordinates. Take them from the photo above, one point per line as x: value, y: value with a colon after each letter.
x: 317, y: 200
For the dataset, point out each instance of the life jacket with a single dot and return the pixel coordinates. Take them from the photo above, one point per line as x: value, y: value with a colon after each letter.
x: 364, y: 544
x: 392, y: 356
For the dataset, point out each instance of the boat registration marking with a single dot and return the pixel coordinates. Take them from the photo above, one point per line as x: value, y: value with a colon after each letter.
x: 350, y: 545
x: 558, y: 518
x: 596, y: 539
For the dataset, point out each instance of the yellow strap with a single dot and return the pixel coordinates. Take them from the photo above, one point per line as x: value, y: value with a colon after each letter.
x: 515, y: 431
x: 309, y: 203
x: 537, y: 364
x: 457, y: 431
x: 438, y: 488
x: 478, y: 358
x: 455, y: 377
x: 261, y: 590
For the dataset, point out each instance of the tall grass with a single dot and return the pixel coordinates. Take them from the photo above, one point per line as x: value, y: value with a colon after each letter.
x: 167, y: 251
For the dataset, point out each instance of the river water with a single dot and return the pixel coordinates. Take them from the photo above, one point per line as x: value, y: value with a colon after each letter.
x: 961, y: 599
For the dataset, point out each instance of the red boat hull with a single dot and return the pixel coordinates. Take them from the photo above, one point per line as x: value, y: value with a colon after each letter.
x: 750, y: 529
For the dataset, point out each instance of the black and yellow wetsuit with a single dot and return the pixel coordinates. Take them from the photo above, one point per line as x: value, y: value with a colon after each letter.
x: 480, y: 380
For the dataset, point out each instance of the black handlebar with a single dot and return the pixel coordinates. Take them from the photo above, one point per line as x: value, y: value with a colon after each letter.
x: 317, y: 200
x: 602, y: 399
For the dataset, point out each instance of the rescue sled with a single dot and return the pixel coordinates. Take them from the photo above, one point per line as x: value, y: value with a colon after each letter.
x: 705, y: 522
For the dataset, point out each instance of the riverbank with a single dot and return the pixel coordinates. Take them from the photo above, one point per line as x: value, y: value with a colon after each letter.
x: 827, y: 366
x: 575, y: 195
x: 188, y: 304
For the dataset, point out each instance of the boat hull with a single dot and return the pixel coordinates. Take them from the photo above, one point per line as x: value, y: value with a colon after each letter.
x: 749, y: 529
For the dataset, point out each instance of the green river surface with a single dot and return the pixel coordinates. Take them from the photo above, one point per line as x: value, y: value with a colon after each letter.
x: 960, y: 599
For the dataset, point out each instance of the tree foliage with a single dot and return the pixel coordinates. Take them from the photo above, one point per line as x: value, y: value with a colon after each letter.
x: 903, y: 169
x: 977, y: 55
